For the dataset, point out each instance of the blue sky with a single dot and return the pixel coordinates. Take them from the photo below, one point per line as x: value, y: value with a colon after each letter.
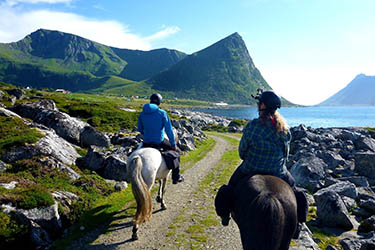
x: 307, y: 50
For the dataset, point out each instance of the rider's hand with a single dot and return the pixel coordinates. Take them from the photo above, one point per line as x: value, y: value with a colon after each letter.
x: 174, y: 148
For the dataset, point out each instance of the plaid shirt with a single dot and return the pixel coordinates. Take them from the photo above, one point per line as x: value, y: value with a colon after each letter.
x: 262, y: 150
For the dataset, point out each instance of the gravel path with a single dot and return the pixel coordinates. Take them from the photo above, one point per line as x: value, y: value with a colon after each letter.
x: 182, y: 201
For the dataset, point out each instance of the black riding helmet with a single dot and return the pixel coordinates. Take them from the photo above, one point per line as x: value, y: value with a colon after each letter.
x: 270, y: 99
x: 156, y: 98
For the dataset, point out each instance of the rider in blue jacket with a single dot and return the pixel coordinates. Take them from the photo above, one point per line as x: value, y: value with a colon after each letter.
x: 152, y: 122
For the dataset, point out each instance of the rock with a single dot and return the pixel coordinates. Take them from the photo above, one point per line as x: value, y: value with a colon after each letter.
x: 186, y: 144
x: 48, y: 218
x: 38, y: 236
x: 91, y: 136
x: 330, y: 247
x: 365, y: 143
x: 10, y: 185
x: 305, y: 240
x: 18, y: 93
x: 365, y: 164
x: 46, y: 113
x: 94, y: 159
x: 50, y: 145
x: 331, y: 210
x: 368, y: 204
x: 3, y: 167
x: 367, y: 225
x: 8, y: 208
x: 332, y: 159
x: 121, y: 185
x: 359, y: 181
x: 115, y: 169
x: 65, y: 198
x: 343, y: 188
x: 309, y: 173
x: 8, y: 113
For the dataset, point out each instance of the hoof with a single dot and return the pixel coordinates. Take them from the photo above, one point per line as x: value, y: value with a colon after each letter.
x: 158, y: 199
x: 134, y: 237
x: 163, y: 207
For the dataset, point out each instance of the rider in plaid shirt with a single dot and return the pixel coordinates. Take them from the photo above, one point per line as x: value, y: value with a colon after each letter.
x: 262, y: 150
x: 264, y: 146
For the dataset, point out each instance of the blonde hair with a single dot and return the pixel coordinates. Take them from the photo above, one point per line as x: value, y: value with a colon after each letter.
x: 281, y: 124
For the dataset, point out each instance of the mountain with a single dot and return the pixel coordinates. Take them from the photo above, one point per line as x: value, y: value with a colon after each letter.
x: 53, y: 59
x: 360, y: 91
x: 223, y: 71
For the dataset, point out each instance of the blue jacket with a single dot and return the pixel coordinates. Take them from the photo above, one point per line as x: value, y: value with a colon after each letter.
x: 152, y: 122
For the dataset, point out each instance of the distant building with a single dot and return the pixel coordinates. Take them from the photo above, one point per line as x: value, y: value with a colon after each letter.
x: 221, y: 104
x: 62, y: 91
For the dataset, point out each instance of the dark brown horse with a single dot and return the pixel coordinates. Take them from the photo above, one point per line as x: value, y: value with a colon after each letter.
x: 264, y: 208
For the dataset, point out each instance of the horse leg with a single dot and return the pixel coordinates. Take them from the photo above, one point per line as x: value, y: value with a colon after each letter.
x: 162, y: 187
x: 135, y: 230
x: 158, y: 198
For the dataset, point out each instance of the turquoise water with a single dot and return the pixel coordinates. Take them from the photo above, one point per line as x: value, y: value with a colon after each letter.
x: 316, y: 117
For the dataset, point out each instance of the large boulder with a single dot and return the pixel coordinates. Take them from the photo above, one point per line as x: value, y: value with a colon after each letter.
x: 331, y: 210
x: 343, y: 188
x: 309, y: 173
x: 115, y: 169
x: 365, y: 164
x: 18, y: 93
x: 91, y: 136
x: 50, y: 145
x: 94, y: 159
x: 365, y: 143
x: 45, y: 112
x: 48, y: 218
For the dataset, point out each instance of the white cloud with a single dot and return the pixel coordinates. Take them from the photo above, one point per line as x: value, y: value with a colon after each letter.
x: 15, y: 25
x: 167, y: 31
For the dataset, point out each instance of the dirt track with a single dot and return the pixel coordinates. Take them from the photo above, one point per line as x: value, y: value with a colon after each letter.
x: 167, y: 229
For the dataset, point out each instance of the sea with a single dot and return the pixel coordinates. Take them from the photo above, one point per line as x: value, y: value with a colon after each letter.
x: 312, y: 116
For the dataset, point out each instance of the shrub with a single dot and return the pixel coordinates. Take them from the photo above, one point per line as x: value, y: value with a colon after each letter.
x: 12, y: 232
x: 35, y: 197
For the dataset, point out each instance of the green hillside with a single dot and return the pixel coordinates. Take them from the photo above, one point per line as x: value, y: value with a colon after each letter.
x: 222, y: 72
x: 53, y: 59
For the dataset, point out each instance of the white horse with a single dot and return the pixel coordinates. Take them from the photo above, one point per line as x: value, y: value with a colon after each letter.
x: 145, y: 165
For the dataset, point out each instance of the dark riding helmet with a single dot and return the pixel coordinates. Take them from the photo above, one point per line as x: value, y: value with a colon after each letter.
x: 156, y: 98
x: 270, y: 99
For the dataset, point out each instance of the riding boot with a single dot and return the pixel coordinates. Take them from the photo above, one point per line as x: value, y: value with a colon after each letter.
x: 302, y: 204
x: 302, y: 209
x: 176, y: 177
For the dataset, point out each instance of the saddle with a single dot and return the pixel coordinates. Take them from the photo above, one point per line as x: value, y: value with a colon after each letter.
x: 171, y: 157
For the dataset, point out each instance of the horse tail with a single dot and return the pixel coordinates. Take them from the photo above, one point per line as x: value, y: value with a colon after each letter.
x: 140, y: 191
x: 268, y: 213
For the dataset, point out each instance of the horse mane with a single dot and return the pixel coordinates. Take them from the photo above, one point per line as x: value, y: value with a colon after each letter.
x: 140, y: 191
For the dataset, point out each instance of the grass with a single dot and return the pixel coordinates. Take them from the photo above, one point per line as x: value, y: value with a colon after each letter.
x: 203, y: 215
x: 108, y: 211
x: 101, y: 213
x: 203, y: 147
x: 15, y: 133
